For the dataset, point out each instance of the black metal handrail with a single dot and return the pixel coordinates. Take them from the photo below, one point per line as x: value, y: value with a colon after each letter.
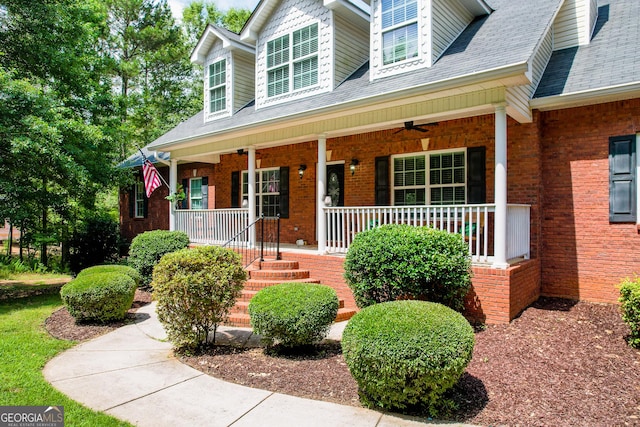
x: 267, y: 243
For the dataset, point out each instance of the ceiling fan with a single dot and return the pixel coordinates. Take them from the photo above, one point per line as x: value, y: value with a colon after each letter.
x: 420, y: 128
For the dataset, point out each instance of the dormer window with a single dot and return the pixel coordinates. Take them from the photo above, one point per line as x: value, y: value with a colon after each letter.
x: 217, y: 86
x: 293, y: 54
x: 399, y: 30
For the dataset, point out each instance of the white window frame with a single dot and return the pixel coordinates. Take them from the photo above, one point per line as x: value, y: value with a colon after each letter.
x: 286, y: 61
x: 217, y: 84
x: 393, y: 27
x: 191, y: 197
x: 138, y: 202
x: 427, y: 185
x: 260, y: 194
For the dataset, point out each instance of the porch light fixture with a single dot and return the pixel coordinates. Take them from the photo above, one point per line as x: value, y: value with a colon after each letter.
x: 301, y: 170
x: 353, y: 164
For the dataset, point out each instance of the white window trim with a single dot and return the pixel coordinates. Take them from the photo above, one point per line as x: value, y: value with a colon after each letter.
x: 383, y: 31
x: 223, y: 86
x: 289, y: 64
x: 258, y: 187
x: 191, y: 198
x: 139, y: 193
x: 427, y: 186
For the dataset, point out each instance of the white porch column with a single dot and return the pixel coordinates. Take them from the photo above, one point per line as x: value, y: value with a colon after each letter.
x: 252, y: 194
x: 321, y: 174
x: 500, y: 224
x: 173, y: 187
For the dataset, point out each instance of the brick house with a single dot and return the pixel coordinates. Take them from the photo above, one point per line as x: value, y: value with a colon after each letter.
x: 512, y: 123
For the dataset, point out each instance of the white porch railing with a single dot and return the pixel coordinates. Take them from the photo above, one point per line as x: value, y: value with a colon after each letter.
x: 473, y: 222
x: 212, y: 226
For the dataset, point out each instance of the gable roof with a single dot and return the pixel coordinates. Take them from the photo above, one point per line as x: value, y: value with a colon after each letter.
x: 606, y: 69
x: 230, y: 41
x: 494, y: 46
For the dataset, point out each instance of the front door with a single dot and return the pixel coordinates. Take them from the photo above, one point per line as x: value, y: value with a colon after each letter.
x: 335, y: 184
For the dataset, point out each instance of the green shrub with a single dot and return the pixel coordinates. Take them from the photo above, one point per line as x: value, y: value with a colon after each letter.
x: 122, y: 269
x: 403, y: 262
x: 195, y: 288
x: 405, y: 354
x: 293, y: 314
x: 100, y: 297
x: 630, y: 305
x: 147, y: 249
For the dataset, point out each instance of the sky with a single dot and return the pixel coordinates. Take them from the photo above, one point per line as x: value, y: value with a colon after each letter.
x: 178, y: 5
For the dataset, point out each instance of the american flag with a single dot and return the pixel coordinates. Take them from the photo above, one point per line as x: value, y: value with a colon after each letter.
x: 151, y: 177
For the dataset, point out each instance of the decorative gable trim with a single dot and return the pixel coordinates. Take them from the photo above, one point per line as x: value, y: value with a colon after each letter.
x: 230, y: 41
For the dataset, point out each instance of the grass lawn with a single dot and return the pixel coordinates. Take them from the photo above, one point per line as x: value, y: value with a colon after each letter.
x: 25, y: 348
x: 37, y: 278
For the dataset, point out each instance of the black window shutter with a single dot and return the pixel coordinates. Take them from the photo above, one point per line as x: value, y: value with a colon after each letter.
x: 205, y: 192
x: 284, y: 192
x: 184, y: 204
x: 382, y: 181
x: 476, y: 175
x: 132, y: 201
x: 145, y: 209
x: 235, y: 189
x: 622, y: 178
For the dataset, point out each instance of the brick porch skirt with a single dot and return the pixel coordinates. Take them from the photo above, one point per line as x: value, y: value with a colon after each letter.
x: 497, y: 296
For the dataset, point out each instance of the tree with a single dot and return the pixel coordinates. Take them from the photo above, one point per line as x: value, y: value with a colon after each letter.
x: 198, y: 14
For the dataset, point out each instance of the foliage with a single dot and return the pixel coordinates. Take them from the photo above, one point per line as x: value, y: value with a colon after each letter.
x: 400, y: 261
x: 147, y: 248
x: 195, y: 289
x: 293, y: 314
x: 22, y: 331
x: 630, y: 306
x: 198, y: 14
x: 121, y: 269
x: 96, y: 241
x: 100, y: 297
x: 405, y: 354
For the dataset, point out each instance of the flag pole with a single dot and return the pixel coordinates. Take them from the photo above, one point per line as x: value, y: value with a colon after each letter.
x: 159, y: 174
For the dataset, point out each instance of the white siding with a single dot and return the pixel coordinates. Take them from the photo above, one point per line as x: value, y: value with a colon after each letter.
x: 376, y: 68
x: 289, y: 16
x: 574, y: 23
x: 216, y: 54
x: 518, y: 97
x: 351, y: 48
x: 244, y: 74
x: 450, y: 18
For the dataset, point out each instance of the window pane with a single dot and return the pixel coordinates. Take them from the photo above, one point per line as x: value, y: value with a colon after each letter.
x: 305, y: 73
x: 305, y: 41
x: 278, y: 51
x: 398, y: 11
x: 217, y: 74
x: 218, y: 99
x: 278, y: 81
x: 400, y: 44
x: 245, y: 183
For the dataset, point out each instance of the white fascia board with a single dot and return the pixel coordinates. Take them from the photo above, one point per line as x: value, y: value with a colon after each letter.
x: 513, y: 71
x: 249, y: 33
x: 208, y: 39
x: 588, y: 97
x: 357, y: 7
x: 477, y: 7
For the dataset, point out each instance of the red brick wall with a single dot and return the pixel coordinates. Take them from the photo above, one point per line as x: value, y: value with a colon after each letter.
x: 584, y: 256
x: 158, y: 211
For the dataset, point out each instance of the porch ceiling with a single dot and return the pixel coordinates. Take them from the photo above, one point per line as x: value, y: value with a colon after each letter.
x: 462, y: 102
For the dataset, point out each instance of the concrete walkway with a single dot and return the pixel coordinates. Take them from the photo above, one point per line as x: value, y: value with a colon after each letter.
x: 131, y: 373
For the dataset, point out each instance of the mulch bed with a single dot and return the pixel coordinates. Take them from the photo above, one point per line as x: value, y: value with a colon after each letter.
x: 560, y: 363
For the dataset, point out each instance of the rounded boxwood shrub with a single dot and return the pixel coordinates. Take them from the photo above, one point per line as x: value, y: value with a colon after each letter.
x: 122, y: 269
x: 147, y: 248
x: 100, y: 297
x: 404, y: 262
x: 293, y: 314
x: 406, y: 354
x: 630, y: 306
x: 195, y: 289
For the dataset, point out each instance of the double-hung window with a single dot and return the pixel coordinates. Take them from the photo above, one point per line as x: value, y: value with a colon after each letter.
x: 399, y: 30
x: 195, y: 193
x: 139, y: 194
x: 267, y: 191
x: 217, y: 86
x: 292, y: 61
x: 433, y: 179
